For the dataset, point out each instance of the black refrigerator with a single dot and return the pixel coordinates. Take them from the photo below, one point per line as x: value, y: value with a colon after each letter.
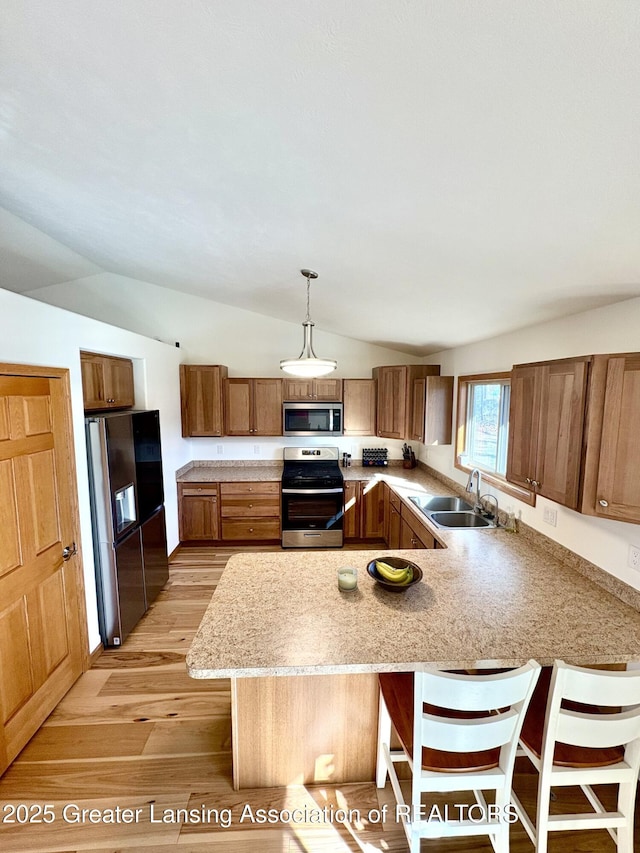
x: 127, y: 511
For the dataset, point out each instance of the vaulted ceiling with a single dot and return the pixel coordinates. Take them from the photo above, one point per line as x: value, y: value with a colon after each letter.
x: 452, y: 170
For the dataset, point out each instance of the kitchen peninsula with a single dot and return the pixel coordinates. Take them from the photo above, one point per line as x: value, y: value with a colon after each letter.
x: 303, y: 656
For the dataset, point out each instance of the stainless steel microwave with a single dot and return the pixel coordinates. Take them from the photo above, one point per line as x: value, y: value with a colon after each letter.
x: 312, y: 419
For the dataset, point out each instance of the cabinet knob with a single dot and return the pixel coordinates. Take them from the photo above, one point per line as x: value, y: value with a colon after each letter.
x: 528, y: 480
x: 251, y: 530
x: 250, y: 506
x: 602, y: 502
x: 535, y: 484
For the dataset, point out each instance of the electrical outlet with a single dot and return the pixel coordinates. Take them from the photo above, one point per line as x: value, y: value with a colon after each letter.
x: 550, y: 516
x: 219, y: 449
x: 634, y: 557
x: 256, y: 449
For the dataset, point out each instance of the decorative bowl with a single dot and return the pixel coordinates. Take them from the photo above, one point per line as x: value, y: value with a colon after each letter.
x: 395, y: 563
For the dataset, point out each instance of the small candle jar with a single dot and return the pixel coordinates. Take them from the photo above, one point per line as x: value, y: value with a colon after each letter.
x: 347, y: 578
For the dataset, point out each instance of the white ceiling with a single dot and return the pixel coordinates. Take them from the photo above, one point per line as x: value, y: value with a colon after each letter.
x: 452, y: 170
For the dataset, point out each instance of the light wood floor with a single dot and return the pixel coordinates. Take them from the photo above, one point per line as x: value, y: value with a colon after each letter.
x: 135, y: 733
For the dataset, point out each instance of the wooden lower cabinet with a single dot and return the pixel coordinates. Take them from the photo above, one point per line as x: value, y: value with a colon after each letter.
x: 392, y: 504
x: 198, y: 511
x: 229, y: 512
x: 351, y: 521
x: 413, y: 534
x: 250, y: 511
x: 363, y: 509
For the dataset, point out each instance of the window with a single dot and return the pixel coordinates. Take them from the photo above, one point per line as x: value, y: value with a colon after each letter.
x: 482, y: 429
x: 487, y: 426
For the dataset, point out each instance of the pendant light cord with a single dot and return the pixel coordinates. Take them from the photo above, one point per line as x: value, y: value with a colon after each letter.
x: 308, y: 318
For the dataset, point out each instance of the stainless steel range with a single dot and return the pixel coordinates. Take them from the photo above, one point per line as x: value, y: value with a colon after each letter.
x: 312, y: 498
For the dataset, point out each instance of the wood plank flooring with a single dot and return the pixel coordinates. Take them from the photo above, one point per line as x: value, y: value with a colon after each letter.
x: 135, y: 741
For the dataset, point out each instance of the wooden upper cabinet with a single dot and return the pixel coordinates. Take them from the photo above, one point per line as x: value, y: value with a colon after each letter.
x: 396, y: 389
x: 303, y: 390
x: 201, y: 395
x: 546, y: 419
x: 612, y: 461
x: 253, y: 406
x: 392, y: 400
x: 359, y: 406
x: 107, y: 382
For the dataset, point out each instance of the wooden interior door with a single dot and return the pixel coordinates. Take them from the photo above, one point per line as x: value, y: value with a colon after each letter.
x: 43, y: 646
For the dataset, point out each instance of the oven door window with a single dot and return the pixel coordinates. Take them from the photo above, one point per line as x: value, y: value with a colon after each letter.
x: 312, y: 512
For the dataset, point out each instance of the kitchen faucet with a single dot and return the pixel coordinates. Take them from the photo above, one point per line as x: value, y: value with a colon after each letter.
x: 476, y: 473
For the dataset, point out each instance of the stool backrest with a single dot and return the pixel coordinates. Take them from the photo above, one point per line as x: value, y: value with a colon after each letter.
x: 499, y: 699
x: 602, y: 688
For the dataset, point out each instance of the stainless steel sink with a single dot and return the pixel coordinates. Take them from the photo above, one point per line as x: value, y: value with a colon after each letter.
x: 451, y: 512
x: 428, y: 503
x: 459, y: 520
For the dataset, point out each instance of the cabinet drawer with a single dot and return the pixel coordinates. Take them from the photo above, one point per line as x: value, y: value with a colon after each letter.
x: 251, y: 528
x: 198, y: 491
x: 258, y: 505
x: 253, y: 488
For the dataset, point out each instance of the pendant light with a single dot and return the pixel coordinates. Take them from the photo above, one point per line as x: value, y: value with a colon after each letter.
x: 308, y: 365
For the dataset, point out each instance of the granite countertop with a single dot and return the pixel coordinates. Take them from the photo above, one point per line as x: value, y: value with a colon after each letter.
x: 488, y: 598
x: 204, y: 471
x: 229, y: 472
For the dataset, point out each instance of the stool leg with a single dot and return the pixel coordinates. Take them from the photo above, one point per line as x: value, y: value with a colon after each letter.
x: 626, y: 803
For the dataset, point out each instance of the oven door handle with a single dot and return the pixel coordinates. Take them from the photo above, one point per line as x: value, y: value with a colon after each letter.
x: 312, y: 491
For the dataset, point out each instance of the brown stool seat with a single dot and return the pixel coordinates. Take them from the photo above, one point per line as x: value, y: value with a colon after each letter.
x: 397, y: 691
x: 565, y: 755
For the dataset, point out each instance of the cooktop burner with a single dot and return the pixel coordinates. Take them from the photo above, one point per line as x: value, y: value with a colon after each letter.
x: 311, y: 468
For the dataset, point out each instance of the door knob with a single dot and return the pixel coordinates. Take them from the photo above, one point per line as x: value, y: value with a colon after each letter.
x: 69, y: 552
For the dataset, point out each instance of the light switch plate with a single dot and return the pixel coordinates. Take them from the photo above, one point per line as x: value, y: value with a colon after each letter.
x: 550, y: 516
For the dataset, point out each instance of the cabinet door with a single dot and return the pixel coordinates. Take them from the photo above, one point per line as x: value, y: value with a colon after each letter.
x: 393, y: 534
x: 199, y: 517
x: 372, y: 510
x: 416, y: 430
x: 201, y: 398
x: 351, y: 521
x: 546, y: 419
x: 359, y: 406
x: 408, y: 538
x: 614, y: 461
x: 392, y: 400
x: 524, y: 409
x: 238, y: 406
x: 267, y: 406
x: 119, y: 382
x: 563, y: 389
x: 438, y: 422
x: 297, y: 390
x: 328, y: 389
x: 93, y: 381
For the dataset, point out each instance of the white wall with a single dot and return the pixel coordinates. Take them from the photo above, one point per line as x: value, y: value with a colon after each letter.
x: 615, y: 328
x: 35, y: 333
x: 249, y: 344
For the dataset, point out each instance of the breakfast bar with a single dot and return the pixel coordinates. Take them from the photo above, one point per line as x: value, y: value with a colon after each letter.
x: 303, y: 655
